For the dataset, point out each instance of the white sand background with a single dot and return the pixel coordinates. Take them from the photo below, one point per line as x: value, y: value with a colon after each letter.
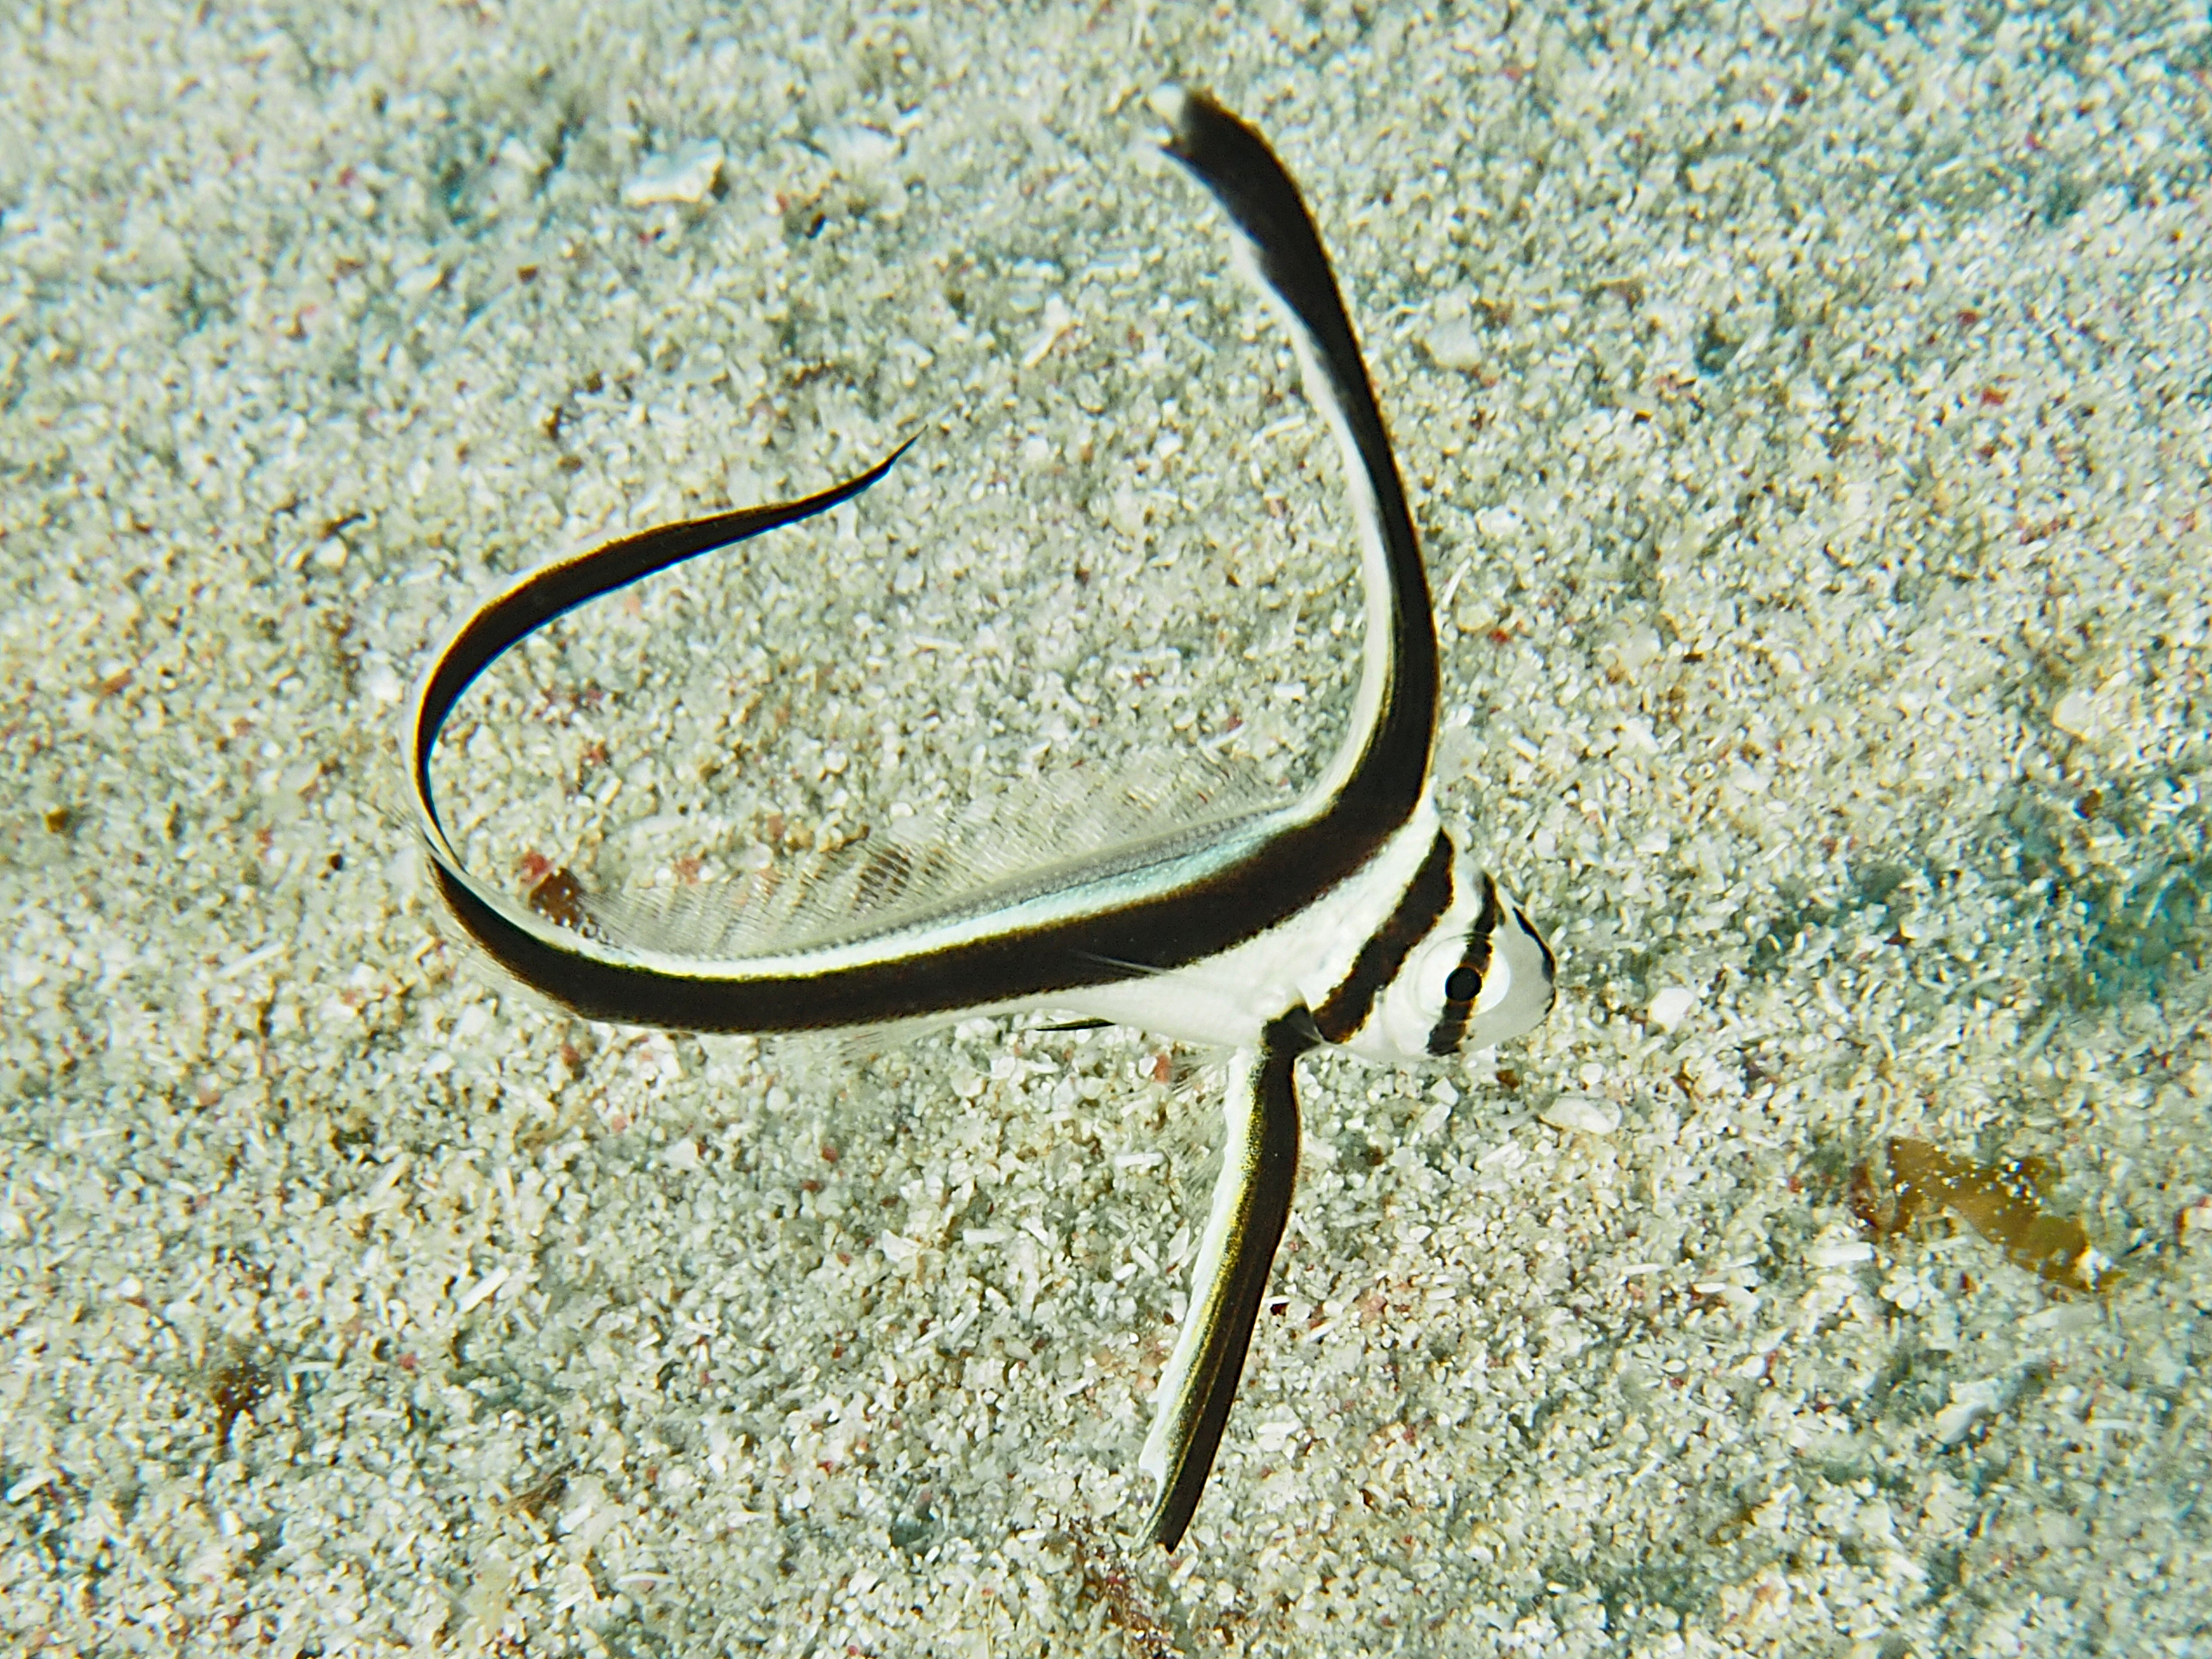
x: 1806, y: 409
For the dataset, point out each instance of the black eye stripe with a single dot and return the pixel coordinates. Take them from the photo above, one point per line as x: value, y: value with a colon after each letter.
x: 1465, y: 983
x: 1486, y: 924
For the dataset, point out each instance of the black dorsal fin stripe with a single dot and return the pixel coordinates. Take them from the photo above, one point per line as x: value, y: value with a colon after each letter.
x: 1234, y: 162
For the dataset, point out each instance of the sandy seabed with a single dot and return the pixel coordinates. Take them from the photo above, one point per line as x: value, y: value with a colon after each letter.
x: 1808, y: 411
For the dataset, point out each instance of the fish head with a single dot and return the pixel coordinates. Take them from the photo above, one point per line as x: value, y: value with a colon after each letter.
x: 1482, y: 976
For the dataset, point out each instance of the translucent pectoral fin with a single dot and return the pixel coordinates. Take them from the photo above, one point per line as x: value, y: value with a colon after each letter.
x: 1251, y: 1202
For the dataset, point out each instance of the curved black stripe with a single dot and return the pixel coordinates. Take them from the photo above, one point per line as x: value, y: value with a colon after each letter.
x: 1543, y: 947
x: 1274, y: 882
x: 560, y: 588
x: 1422, y: 905
x: 1235, y: 163
x: 1257, y: 1232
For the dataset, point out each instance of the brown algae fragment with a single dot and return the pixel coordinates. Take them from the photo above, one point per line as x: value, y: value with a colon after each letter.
x: 237, y: 1386
x: 2001, y: 1201
x: 559, y: 897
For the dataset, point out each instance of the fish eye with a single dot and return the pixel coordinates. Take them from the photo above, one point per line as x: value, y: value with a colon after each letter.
x: 1463, y: 985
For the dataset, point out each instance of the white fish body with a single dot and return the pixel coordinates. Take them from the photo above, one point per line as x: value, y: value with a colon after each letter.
x: 1345, y: 917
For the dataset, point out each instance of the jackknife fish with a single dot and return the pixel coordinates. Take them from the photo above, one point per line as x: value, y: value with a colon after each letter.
x: 1347, y: 916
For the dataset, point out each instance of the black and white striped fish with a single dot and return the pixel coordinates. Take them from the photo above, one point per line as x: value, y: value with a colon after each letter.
x: 1347, y: 916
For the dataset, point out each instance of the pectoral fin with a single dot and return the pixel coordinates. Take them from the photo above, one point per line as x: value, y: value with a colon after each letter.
x: 1251, y: 1202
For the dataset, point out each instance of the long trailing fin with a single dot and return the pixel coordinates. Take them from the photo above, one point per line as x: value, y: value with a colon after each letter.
x: 1250, y: 1206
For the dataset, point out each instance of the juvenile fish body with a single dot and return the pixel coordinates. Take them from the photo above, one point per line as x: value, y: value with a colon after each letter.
x: 1346, y: 917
